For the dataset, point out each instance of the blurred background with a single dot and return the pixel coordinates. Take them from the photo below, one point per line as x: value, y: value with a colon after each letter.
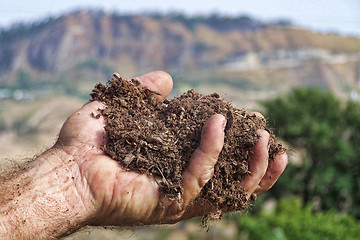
x: 297, y: 62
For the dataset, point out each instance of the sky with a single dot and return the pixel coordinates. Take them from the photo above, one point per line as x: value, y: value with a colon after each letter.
x: 340, y: 16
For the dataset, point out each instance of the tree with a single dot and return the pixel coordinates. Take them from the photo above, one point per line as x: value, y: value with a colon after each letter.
x: 23, y: 80
x: 329, y: 132
x: 291, y: 220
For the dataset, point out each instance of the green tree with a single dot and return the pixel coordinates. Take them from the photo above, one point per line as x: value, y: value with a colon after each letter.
x: 291, y: 221
x: 2, y: 121
x: 23, y: 80
x: 329, y: 131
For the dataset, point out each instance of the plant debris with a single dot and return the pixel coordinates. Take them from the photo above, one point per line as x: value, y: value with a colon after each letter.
x: 158, y: 139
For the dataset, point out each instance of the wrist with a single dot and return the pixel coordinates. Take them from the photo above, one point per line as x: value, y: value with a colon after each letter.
x: 44, y: 200
x: 73, y: 186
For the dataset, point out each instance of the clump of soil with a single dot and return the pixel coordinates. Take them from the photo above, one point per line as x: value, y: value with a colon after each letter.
x: 158, y: 138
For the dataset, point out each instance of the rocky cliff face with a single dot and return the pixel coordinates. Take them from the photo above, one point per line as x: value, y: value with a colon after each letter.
x: 150, y: 41
x: 145, y: 42
x: 246, y: 59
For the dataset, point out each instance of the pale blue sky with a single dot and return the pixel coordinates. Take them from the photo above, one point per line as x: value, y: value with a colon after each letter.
x: 322, y: 15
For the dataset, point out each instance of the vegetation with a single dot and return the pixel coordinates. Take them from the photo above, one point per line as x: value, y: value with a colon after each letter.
x: 291, y: 221
x: 2, y: 121
x: 211, y: 78
x: 23, y: 80
x: 329, y: 133
x: 62, y: 83
x: 215, y: 21
x: 22, y: 127
x: 96, y: 65
x: 6, y: 58
x: 21, y: 29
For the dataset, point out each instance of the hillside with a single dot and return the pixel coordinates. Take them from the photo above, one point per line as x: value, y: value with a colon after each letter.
x: 243, y: 59
x: 90, y: 45
x: 48, y: 68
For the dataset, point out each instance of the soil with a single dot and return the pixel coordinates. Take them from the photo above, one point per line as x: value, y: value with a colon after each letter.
x: 158, y: 139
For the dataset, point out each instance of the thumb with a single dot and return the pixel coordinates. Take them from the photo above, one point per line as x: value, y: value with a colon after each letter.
x: 201, y: 166
x: 158, y: 81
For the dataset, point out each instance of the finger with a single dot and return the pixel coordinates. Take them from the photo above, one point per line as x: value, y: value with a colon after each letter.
x: 275, y: 169
x: 204, y: 158
x: 89, y: 119
x: 258, y: 163
x: 93, y: 106
x: 93, y: 113
x: 158, y: 81
x: 198, y: 207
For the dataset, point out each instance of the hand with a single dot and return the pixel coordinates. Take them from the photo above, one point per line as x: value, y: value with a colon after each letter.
x: 113, y: 196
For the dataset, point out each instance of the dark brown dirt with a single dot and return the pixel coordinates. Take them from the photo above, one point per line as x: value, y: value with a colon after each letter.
x: 158, y: 138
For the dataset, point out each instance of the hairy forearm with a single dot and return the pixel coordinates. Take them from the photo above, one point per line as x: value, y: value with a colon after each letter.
x: 41, y: 201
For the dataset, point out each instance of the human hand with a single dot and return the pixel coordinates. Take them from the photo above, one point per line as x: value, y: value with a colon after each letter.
x: 114, y: 196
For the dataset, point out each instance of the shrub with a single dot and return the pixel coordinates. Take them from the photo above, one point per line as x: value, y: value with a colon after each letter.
x: 290, y: 220
x: 329, y: 131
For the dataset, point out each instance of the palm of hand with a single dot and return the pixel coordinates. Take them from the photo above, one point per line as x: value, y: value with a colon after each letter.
x: 120, y: 197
